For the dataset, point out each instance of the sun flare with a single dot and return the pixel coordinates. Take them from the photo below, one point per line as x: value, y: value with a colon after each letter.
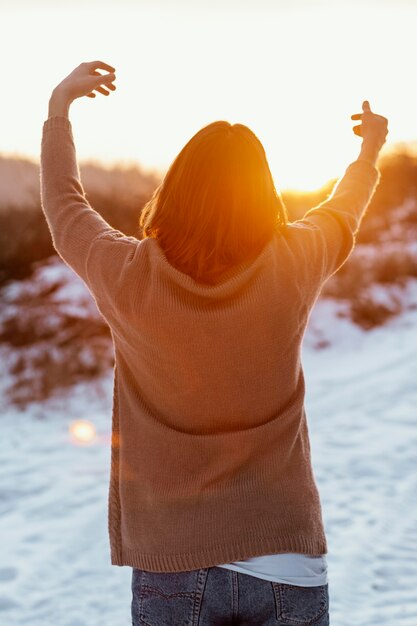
x: 293, y: 73
x: 82, y: 432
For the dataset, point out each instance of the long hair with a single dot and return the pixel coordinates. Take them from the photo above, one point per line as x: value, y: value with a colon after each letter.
x: 217, y: 205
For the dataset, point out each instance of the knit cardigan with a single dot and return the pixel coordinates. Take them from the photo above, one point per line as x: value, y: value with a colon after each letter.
x: 210, y: 450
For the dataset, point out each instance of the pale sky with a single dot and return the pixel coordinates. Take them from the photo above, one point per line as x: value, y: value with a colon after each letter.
x: 292, y: 71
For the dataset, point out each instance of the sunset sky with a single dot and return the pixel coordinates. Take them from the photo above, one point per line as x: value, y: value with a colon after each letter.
x: 292, y: 71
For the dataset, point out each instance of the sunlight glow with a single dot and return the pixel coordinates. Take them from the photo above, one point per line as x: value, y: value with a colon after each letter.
x: 82, y: 432
x: 294, y: 73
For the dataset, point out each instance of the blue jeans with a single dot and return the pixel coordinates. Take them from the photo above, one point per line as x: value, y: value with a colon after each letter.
x: 214, y: 596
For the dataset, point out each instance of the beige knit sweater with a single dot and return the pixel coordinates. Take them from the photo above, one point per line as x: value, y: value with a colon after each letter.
x: 210, y: 455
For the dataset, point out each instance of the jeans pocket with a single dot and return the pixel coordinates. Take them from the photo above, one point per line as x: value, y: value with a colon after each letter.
x: 163, y: 599
x: 300, y: 606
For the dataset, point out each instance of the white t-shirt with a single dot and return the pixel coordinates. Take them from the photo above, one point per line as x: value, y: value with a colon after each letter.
x: 289, y: 567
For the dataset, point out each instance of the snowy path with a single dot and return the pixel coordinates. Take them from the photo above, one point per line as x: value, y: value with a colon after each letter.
x: 362, y: 406
x: 362, y: 411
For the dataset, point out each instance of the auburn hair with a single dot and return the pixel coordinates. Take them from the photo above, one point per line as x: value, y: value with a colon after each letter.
x: 217, y: 205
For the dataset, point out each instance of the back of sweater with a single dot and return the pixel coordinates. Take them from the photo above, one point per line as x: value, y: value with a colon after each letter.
x: 210, y: 459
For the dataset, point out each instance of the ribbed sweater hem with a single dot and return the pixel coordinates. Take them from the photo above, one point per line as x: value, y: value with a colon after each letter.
x: 216, y: 555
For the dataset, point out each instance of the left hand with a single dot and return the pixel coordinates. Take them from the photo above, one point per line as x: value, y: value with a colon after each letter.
x: 82, y: 81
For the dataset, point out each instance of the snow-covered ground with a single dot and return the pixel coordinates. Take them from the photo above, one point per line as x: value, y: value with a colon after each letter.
x: 362, y: 409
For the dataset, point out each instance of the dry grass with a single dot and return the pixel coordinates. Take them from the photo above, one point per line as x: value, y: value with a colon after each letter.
x: 117, y: 193
x: 48, y: 342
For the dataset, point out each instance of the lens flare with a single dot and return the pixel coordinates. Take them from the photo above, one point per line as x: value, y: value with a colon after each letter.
x: 82, y: 432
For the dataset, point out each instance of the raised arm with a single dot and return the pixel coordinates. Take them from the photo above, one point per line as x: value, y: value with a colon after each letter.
x: 83, y: 239
x: 327, y: 232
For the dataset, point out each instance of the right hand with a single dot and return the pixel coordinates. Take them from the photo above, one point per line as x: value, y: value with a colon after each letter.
x: 374, y: 128
x: 85, y: 80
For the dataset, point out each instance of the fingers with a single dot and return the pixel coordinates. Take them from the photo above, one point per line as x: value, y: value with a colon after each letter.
x: 101, y: 66
x: 107, y: 79
x: 366, y: 109
x: 104, y: 76
x: 103, y: 91
x: 358, y: 130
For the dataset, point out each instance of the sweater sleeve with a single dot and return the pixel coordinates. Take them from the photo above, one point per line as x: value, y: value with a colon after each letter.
x: 83, y: 239
x: 327, y: 232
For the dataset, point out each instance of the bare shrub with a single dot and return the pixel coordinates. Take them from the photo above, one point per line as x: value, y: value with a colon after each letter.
x: 367, y: 312
x: 51, y: 336
x: 118, y: 193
